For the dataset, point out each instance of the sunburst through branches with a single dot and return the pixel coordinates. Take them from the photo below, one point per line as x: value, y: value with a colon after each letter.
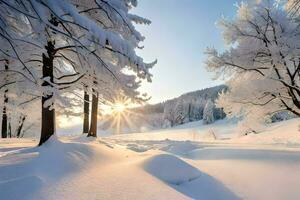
x: 117, y: 115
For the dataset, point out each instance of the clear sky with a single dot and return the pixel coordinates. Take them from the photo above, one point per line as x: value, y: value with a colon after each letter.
x: 179, y: 34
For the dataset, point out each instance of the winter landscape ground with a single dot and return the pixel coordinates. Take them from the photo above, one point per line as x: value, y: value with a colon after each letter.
x: 186, y: 162
x: 149, y: 100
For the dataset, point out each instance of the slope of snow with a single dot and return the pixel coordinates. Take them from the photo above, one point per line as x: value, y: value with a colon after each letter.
x: 28, y: 172
x: 285, y: 133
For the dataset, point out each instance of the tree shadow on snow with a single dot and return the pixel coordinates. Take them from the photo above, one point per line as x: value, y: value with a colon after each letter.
x: 20, y: 188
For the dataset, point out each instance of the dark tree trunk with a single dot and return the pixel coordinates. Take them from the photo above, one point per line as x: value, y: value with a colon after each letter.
x: 93, y: 129
x: 86, y: 112
x: 20, y: 127
x: 48, y: 113
x: 189, y: 112
x: 9, y: 129
x: 4, y: 128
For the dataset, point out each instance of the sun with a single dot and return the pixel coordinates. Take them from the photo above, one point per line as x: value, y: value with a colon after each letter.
x: 116, y: 107
x: 119, y: 107
x: 117, y: 114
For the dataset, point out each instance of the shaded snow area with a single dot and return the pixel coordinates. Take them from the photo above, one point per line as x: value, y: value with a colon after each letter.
x: 182, y: 163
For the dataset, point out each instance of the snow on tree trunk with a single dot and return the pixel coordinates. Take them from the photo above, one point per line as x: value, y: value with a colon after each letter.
x: 48, y: 111
x: 93, y: 129
x: 86, y: 110
x: 208, y: 113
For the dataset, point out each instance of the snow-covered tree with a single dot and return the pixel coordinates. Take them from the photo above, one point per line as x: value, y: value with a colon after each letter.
x: 119, y: 21
x: 208, y: 113
x: 169, y: 114
x: 75, y: 39
x: 181, y: 112
x: 4, y: 124
x: 262, y: 61
x: 14, y: 78
x: 291, y: 6
x: 196, y: 109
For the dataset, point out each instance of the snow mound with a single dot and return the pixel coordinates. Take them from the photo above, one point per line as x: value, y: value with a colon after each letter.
x: 180, y: 148
x: 51, y: 160
x: 171, y: 169
x: 137, y: 148
x: 57, y: 158
x: 25, y: 172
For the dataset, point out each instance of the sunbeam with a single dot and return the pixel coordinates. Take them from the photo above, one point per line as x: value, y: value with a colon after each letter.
x: 118, y: 114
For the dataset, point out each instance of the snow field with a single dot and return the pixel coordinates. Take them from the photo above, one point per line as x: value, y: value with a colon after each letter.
x: 156, y: 165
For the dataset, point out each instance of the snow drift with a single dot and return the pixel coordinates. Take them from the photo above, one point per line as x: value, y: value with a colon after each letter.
x: 26, y: 172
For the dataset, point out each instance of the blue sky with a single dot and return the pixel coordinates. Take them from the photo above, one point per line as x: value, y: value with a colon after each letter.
x: 179, y: 34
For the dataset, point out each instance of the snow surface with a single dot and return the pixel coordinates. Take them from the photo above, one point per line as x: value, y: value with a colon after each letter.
x: 171, y: 169
x: 194, y: 131
x: 157, y: 165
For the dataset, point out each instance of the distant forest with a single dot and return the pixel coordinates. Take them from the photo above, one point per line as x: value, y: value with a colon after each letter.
x: 192, y: 106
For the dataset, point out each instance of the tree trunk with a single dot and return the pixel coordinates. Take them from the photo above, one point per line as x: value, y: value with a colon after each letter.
x: 9, y: 129
x: 48, y: 112
x: 189, y: 112
x: 4, y: 128
x: 93, y: 129
x: 20, y: 127
x: 86, y: 110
